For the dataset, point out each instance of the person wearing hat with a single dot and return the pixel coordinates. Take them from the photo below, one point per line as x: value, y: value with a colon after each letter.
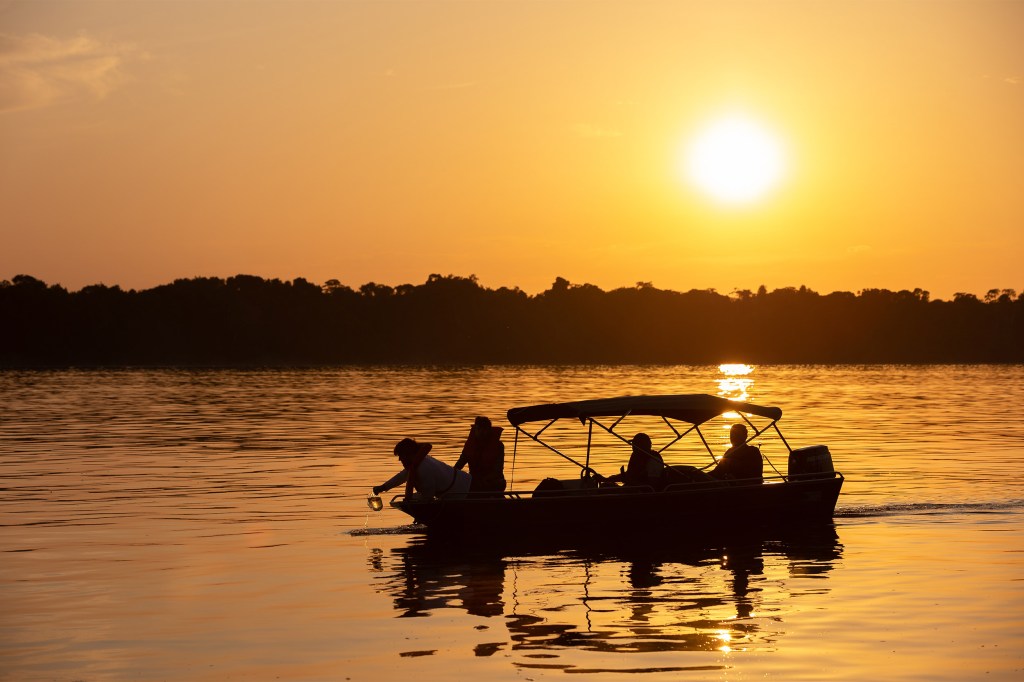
x: 485, y: 454
x: 428, y: 476
x: 645, y: 467
x: 741, y: 461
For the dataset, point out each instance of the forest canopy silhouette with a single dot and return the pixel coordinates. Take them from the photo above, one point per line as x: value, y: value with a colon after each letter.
x: 248, y: 320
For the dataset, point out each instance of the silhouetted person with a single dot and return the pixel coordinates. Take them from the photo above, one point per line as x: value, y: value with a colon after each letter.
x: 741, y: 461
x: 485, y: 454
x: 645, y: 466
x: 428, y: 476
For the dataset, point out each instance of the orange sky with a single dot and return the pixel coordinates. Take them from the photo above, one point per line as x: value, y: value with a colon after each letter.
x: 383, y: 141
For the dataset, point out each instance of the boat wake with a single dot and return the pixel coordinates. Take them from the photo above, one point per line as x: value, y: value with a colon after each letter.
x: 408, y: 529
x: 927, y: 508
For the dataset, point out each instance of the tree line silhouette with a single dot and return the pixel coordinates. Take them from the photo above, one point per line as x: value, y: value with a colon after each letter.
x: 248, y: 320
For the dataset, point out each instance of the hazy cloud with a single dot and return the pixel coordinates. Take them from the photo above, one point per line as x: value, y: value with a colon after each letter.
x: 38, y: 70
x: 1009, y: 80
x: 857, y: 249
x: 589, y: 130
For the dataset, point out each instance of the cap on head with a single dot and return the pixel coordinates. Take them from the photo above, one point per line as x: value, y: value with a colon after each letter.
x: 642, y: 441
x: 482, y: 422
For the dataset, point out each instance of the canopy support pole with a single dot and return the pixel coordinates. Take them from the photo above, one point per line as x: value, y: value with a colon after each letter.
x: 590, y: 437
x: 551, y: 448
x: 759, y: 432
x: 679, y: 436
x: 515, y: 448
x: 776, y: 425
x: 624, y: 440
x: 706, y: 446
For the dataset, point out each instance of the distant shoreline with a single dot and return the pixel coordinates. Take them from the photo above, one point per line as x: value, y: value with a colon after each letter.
x: 292, y: 367
x: 247, y: 322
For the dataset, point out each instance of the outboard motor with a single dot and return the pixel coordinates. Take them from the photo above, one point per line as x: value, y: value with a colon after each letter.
x: 814, y: 461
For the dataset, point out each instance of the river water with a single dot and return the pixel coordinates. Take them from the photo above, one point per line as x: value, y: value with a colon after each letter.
x: 212, y: 525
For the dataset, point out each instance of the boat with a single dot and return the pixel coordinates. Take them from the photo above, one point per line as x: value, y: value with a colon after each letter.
x: 685, y: 502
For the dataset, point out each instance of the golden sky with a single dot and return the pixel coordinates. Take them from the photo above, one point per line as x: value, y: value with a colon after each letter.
x: 145, y: 141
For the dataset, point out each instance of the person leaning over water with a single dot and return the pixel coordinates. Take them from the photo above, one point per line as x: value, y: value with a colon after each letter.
x: 741, y: 461
x: 485, y: 454
x: 429, y: 477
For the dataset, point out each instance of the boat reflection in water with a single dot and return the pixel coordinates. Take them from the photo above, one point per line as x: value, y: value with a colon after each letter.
x: 736, y: 595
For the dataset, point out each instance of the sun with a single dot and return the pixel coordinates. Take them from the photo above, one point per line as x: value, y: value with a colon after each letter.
x: 735, y: 160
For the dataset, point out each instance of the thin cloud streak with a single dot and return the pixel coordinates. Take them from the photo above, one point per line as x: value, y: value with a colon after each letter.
x: 37, y: 71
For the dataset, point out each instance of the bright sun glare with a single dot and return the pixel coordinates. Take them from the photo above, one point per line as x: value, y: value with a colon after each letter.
x: 735, y: 160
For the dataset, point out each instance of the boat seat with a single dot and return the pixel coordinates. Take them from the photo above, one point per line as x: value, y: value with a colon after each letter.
x: 625, y: 489
x: 558, y: 487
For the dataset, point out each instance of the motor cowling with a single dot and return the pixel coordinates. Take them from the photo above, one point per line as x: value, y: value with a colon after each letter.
x: 813, y: 461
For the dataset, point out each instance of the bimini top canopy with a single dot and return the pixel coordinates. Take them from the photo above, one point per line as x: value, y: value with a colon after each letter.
x: 694, y: 409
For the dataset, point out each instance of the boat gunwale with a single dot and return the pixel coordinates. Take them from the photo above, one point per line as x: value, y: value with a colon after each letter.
x: 399, y: 501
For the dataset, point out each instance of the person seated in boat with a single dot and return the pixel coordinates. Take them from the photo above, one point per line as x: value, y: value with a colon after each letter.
x: 645, y: 466
x: 485, y: 454
x: 741, y: 461
x: 428, y: 476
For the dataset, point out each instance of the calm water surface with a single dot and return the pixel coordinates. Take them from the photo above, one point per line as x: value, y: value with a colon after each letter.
x: 211, y: 525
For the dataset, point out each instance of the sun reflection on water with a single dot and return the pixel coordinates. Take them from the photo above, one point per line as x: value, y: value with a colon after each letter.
x: 735, y: 368
x: 736, y: 382
x: 725, y: 637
